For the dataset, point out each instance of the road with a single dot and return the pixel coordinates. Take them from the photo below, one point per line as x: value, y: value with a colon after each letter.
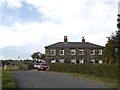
x: 41, y: 79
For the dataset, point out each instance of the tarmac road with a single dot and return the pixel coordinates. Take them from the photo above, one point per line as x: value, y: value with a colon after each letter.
x: 42, y: 79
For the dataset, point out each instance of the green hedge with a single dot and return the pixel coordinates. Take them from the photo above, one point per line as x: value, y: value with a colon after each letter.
x: 101, y: 70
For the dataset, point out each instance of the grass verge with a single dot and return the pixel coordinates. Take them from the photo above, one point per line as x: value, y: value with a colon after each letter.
x: 8, y: 81
x: 17, y: 70
x: 111, y: 83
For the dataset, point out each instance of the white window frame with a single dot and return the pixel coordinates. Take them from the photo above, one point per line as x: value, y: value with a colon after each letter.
x: 100, y: 52
x: 93, y: 52
x: 73, y: 60
x: 74, y: 51
x: 100, y: 61
x: 92, y: 59
x: 61, y: 60
x: 54, y: 51
x: 81, y: 60
x: 82, y: 51
x: 60, y: 51
x: 53, y: 61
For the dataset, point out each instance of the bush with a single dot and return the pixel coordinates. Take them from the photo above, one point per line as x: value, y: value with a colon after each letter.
x: 30, y: 66
x: 101, y: 70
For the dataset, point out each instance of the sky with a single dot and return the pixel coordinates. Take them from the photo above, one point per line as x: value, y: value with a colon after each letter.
x: 27, y: 26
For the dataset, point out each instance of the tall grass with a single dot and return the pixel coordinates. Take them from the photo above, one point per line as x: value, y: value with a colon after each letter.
x: 8, y: 81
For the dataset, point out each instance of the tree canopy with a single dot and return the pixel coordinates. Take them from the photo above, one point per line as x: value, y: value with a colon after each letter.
x: 37, y: 56
x: 112, y: 48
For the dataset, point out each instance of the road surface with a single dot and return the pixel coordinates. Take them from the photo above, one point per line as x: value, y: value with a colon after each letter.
x: 41, y: 79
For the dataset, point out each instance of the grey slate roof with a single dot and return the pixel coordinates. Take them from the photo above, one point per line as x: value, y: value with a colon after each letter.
x: 74, y: 45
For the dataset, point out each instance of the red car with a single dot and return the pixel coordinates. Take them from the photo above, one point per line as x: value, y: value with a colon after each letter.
x: 43, y: 66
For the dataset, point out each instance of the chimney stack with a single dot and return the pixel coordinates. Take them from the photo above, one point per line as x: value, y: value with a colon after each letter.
x: 83, y: 40
x: 65, y: 38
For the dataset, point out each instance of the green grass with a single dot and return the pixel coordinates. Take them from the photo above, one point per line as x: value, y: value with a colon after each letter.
x: 111, y: 83
x: 17, y: 70
x: 8, y: 81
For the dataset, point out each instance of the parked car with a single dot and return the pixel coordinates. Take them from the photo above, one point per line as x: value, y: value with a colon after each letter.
x: 36, y: 66
x: 43, y: 66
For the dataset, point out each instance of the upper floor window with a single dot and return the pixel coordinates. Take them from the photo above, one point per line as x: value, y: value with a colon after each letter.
x: 100, y: 52
x: 53, y: 52
x: 81, y: 52
x: 61, y: 52
x: 73, y: 52
x: 92, y: 52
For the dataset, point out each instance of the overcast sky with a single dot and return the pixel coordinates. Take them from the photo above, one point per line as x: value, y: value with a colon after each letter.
x: 27, y: 26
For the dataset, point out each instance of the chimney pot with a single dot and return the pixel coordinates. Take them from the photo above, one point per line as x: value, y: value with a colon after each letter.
x: 83, y: 40
x: 65, y: 38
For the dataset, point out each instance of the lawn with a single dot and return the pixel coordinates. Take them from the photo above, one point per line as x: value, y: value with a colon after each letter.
x: 8, y: 81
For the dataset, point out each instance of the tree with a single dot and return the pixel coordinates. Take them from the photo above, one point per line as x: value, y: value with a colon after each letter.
x: 112, y: 48
x: 109, y: 52
x: 38, y: 56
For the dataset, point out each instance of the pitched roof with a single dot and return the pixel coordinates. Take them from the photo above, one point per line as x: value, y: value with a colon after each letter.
x: 74, y: 45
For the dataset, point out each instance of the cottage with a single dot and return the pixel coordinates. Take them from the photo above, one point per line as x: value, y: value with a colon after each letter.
x: 73, y: 52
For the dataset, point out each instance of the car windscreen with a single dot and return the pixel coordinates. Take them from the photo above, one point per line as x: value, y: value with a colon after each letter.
x: 43, y: 64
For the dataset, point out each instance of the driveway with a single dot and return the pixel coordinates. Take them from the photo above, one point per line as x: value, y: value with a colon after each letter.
x: 42, y: 79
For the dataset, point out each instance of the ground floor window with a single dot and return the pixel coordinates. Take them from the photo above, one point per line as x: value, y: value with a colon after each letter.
x: 81, y: 61
x: 100, y: 61
x: 92, y: 60
x: 53, y: 61
x: 61, y: 60
x: 73, y: 61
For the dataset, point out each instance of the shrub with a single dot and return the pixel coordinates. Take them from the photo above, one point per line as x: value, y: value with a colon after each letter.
x: 30, y: 66
x: 101, y: 70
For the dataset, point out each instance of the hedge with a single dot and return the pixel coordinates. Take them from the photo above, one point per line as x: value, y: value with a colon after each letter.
x: 101, y: 70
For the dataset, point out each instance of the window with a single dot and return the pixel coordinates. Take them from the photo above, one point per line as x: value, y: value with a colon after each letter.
x: 92, y: 60
x: 52, y: 51
x: 61, y: 52
x: 53, y: 61
x: 99, y: 52
x: 100, y: 61
x: 72, y: 51
x: 73, y: 61
x: 61, y: 60
x: 92, y: 52
x: 81, y: 52
x: 81, y: 61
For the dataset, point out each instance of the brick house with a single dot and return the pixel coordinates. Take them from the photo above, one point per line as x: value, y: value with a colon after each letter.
x: 73, y: 52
